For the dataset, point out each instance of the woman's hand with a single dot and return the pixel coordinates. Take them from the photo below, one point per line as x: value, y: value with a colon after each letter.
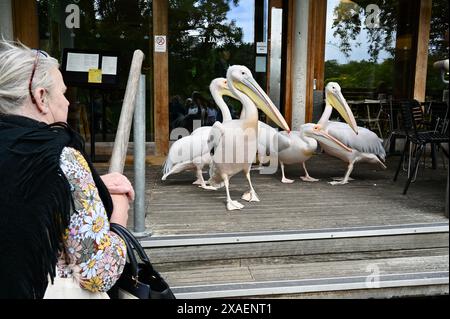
x: 118, y: 184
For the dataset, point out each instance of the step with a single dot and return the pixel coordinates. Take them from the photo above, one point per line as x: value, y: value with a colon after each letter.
x: 188, y: 248
x: 412, y: 273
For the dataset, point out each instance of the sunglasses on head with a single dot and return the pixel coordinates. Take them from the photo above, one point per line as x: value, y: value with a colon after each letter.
x: 36, y: 62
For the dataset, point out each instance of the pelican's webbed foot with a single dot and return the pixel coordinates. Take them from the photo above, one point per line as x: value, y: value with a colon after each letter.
x: 198, y: 182
x: 208, y: 188
x: 308, y: 179
x: 285, y: 180
x: 342, y: 178
x: 343, y: 182
x: 250, y: 196
x: 234, y: 205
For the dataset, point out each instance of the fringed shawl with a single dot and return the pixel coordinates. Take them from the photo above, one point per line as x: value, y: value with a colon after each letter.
x: 35, y: 202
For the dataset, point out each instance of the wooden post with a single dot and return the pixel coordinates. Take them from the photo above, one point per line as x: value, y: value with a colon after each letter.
x: 288, y: 74
x: 423, y: 38
x: 25, y: 20
x: 160, y: 79
x: 126, y: 116
x: 316, y: 53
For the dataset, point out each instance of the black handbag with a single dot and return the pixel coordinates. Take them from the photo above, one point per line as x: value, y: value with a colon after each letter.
x: 139, y: 279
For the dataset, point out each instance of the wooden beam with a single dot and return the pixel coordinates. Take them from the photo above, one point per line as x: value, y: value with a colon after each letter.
x: 161, y: 79
x: 316, y: 53
x: 423, y: 37
x: 288, y: 73
x: 26, y: 23
x: 319, y: 56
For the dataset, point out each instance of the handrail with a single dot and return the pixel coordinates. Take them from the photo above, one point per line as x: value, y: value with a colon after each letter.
x: 126, y: 116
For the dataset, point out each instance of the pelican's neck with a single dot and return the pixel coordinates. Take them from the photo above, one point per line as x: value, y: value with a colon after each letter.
x: 326, y: 115
x: 218, y: 98
x: 309, y: 140
x: 249, y: 111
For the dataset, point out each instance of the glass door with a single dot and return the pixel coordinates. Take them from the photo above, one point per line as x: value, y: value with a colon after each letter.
x: 205, y: 38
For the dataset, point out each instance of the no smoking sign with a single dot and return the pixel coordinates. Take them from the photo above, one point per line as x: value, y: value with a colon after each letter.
x: 160, y: 43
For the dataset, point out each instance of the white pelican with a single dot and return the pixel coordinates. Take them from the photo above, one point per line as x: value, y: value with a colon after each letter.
x: 192, y: 152
x: 234, y: 143
x: 361, y: 144
x: 295, y: 148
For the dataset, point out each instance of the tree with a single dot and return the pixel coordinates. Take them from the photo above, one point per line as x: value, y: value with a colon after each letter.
x: 351, y: 18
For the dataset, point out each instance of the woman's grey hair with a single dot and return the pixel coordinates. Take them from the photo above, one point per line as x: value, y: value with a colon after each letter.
x: 16, y: 65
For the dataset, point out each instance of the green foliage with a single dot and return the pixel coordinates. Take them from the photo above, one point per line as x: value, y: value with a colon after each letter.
x: 350, y: 21
x: 363, y: 74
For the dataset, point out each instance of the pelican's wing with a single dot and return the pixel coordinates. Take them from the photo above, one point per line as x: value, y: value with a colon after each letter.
x: 202, y: 130
x: 282, y: 141
x: 365, y: 142
x: 186, y: 150
x: 266, y: 134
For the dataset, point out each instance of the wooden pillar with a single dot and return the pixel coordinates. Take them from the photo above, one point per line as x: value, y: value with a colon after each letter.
x: 423, y: 38
x: 161, y: 79
x: 26, y: 23
x: 289, y: 51
x: 316, y: 53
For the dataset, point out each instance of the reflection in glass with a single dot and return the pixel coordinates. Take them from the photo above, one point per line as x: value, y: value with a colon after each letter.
x: 206, y: 37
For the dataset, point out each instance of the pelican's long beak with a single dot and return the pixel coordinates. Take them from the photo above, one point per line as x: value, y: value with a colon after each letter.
x: 227, y: 92
x: 262, y: 101
x: 328, y: 138
x: 337, y: 100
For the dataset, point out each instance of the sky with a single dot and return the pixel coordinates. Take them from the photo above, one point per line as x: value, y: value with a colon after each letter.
x: 244, y: 15
x: 332, y: 51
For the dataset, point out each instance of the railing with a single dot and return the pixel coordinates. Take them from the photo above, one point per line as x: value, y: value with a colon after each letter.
x: 134, y: 103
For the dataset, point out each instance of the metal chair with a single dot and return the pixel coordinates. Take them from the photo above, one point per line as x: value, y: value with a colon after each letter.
x: 413, y: 119
x: 371, y: 121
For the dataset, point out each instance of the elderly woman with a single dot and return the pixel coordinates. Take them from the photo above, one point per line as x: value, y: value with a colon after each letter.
x: 55, y: 209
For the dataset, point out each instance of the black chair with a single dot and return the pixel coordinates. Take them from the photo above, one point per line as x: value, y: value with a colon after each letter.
x: 413, y: 124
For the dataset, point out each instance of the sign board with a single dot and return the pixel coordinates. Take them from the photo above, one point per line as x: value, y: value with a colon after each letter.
x: 97, y: 69
x: 261, y: 47
x: 160, y: 43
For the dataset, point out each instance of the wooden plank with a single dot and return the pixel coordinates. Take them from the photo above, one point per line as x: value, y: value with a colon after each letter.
x: 25, y: 20
x: 379, y: 293
x: 161, y: 79
x: 423, y: 37
x: 297, y: 248
x: 299, y: 271
x: 280, y: 260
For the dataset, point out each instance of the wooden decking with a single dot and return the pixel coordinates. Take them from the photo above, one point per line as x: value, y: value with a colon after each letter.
x: 413, y: 263
x: 175, y: 206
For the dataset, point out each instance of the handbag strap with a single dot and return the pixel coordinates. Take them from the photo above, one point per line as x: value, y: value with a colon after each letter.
x: 118, y: 229
x: 133, y: 245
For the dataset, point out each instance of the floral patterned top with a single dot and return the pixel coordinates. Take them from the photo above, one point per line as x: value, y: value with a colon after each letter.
x: 94, y: 256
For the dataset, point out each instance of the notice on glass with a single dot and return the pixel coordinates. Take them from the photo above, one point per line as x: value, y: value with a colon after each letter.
x: 81, y: 62
x: 95, y: 76
x: 109, y: 65
x: 260, y: 64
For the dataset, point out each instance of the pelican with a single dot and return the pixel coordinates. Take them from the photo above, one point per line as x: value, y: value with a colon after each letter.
x: 361, y: 144
x: 191, y: 152
x: 293, y: 148
x: 234, y: 143
x: 298, y: 146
